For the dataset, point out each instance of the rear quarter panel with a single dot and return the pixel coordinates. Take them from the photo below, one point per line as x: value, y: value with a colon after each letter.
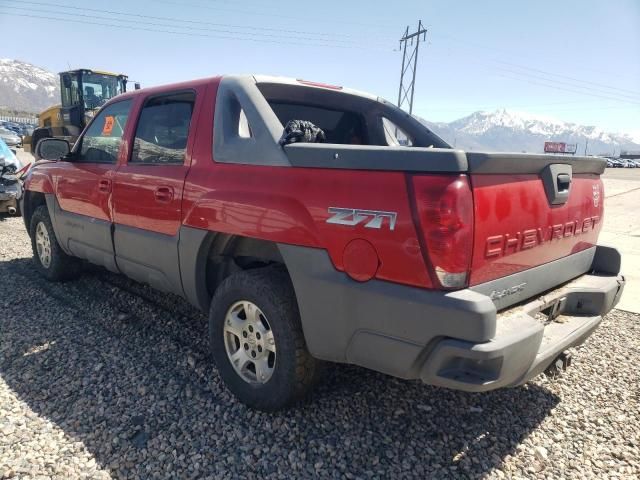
x: 290, y: 205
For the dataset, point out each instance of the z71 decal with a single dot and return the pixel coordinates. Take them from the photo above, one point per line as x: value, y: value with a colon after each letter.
x: 354, y: 216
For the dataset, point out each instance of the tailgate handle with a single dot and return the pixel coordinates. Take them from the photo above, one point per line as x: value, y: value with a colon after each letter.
x: 564, y: 180
x: 556, y: 179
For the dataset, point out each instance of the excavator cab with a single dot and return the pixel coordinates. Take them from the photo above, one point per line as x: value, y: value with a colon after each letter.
x: 82, y: 93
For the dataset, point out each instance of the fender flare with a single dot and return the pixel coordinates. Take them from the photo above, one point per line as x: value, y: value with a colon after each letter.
x: 37, y: 181
x: 193, y: 249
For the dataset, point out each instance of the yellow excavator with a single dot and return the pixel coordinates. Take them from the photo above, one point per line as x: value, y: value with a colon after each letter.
x: 82, y: 93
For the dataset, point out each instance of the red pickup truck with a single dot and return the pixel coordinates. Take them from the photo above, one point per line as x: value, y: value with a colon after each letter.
x: 370, y: 242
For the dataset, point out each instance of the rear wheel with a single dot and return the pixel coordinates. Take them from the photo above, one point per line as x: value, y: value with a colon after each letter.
x: 51, y: 261
x: 257, y: 340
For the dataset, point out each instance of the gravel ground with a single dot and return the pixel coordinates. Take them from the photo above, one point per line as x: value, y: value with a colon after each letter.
x: 103, y: 377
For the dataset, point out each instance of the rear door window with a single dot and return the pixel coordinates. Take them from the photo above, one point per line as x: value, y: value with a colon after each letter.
x: 163, y: 129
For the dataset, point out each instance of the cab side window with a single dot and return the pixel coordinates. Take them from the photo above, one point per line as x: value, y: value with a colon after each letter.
x: 101, y: 142
x: 163, y: 129
x: 394, y: 135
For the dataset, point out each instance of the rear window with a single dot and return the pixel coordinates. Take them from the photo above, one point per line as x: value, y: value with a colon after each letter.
x: 395, y: 135
x: 348, y: 118
x: 339, y: 126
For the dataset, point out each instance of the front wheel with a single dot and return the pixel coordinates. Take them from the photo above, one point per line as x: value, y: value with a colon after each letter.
x: 257, y: 340
x: 51, y: 261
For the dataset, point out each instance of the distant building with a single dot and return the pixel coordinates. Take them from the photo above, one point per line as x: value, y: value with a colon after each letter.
x: 631, y: 155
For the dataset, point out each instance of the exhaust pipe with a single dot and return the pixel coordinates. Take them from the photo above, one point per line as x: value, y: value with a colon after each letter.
x: 559, y: 365
x: 11, y: 210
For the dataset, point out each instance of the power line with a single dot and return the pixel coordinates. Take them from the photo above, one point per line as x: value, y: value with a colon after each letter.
x: 555, y: 84
x: 193, y: 22
x: 520, y: 55
x: 96, y: 17
x: 590, y: 90
x: 326, y: 42
x: 188, y: 34
x: 223, y: 34
x: 568, y: 89
x: 484, y: 47
x: 601, y: 85
x: 268, y: 14
x: 535, y: 79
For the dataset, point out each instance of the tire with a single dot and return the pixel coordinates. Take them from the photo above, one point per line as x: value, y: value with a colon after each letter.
x: 293, y: 372
x: 60, y: 266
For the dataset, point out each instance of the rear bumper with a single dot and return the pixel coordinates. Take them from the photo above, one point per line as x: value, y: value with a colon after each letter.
x: 458, y: 339
x: 527, y: 341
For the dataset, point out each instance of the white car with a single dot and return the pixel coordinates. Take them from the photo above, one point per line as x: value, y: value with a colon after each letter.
x: 10, y: 184
x: 10, y: 137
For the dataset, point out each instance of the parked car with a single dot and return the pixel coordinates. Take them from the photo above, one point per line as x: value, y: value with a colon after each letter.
x: 632, y: 163
x: 626, y: 163
x: 27, y: 130
x: 10, y: 137
x: 616, y: 163
x: 10, y: 184
x: 289, y: 211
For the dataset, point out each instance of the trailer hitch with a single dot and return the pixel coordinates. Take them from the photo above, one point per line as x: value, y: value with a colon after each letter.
x: 561, y: 363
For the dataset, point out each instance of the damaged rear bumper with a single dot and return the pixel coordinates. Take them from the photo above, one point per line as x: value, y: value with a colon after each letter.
x: 528, y: 337
x: 462, y: 339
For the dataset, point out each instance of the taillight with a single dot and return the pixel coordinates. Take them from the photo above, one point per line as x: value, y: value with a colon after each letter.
x: 444, y: 205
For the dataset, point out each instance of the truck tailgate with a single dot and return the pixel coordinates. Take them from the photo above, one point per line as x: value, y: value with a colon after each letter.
x: 532, y: 209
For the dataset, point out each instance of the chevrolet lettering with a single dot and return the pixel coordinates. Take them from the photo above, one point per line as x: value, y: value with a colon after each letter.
x: 501, y: 245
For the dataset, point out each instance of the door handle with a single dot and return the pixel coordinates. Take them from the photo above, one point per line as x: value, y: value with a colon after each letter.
x: 164, y: 194
x: 104, y: 185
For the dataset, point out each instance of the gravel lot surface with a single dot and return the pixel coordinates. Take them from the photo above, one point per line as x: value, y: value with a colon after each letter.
x: 103, y: 377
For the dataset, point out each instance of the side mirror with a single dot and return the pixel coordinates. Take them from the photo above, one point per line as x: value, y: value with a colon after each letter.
x: 52, y: 148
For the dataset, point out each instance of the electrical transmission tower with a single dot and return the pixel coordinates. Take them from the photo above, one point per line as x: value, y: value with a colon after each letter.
x: 405, y: 93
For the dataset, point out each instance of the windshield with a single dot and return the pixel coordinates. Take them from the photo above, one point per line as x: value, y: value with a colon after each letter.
x: 99, y: 88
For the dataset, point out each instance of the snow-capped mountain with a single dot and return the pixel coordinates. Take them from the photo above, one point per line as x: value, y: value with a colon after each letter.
x: 507, y: 130
x: 26, y: 87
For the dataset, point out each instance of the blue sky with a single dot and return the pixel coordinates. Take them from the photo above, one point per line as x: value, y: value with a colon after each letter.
x: 573, y: 60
